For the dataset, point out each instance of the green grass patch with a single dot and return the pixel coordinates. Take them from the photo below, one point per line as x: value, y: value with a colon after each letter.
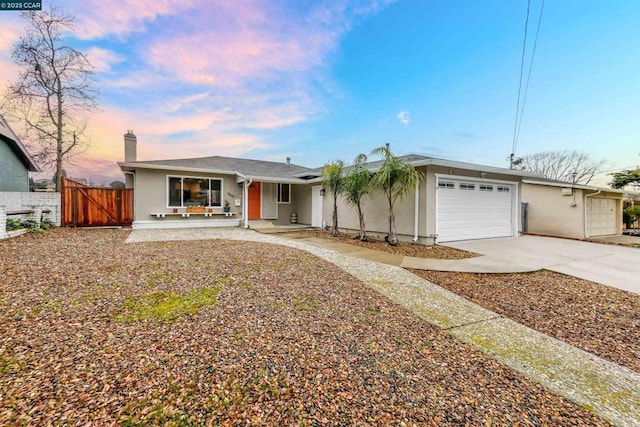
x: 167, y: 306
x: 7, y: 364
x: 304, y: 303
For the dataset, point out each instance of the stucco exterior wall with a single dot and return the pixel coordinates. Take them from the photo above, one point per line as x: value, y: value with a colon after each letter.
x: 301, y: 199
x: 549, y: 212
x: 300, y: 205
x: 151, y: 191
x: 13, y: 175
x: 376, y: 213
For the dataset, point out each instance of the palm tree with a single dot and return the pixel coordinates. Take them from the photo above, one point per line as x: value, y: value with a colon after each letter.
x: 333, y: 179
x: 357, y: 186
x: 396, y: 178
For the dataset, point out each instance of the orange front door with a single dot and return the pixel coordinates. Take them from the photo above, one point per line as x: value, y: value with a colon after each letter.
x: 254, y: 201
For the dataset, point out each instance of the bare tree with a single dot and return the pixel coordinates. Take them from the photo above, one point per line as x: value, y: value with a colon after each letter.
x: 52, y: 91
x: 568, y: 166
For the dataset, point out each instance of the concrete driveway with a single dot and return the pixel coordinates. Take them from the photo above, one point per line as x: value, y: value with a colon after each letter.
x: 611, y: 265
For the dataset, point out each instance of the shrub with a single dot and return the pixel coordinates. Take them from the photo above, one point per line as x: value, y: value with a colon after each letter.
x: 13, y: 224
x: 631, y: 214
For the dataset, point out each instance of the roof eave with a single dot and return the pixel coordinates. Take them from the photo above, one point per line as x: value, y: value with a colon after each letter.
x: 132, y: 166
x: 569, y: 185
x: 474, y: 167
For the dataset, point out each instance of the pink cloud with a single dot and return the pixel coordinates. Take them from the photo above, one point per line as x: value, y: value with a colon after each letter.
x: 102, y: 59
x: 98, y: 18
x: 240, y: 44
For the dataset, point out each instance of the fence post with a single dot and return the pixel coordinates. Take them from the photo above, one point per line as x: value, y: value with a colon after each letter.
x: 36, y: 214
x: 3, y: 223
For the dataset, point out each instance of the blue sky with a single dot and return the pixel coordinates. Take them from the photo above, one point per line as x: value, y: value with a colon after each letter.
x: 320, y: 80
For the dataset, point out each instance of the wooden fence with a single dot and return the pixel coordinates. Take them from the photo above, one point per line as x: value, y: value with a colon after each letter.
x: 84, y: 206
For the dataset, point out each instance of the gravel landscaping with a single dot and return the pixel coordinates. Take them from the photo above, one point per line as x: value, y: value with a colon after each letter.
x: 403, y: 248
x: 219, y: 332
x: 600, y: 319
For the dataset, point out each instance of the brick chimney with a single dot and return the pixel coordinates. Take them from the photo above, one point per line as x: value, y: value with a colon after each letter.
x: 130, y: 146
x: 130, y: 154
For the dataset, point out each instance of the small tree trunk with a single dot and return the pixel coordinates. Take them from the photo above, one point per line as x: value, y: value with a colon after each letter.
x: 363, y: 231
x: 59, y: 126
x: 334, y: 231
x: 393, y: 237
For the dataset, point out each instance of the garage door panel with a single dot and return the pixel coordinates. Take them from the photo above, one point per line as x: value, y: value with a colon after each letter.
x: 601, y: 217
x: 474, y: 214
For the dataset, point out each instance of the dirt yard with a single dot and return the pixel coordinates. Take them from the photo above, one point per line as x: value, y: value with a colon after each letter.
x: 93, y: 330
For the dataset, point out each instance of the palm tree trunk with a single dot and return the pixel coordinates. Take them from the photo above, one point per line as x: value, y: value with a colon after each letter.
x: 393, y: 237
x: 363, y: 231
x: 334, y: 231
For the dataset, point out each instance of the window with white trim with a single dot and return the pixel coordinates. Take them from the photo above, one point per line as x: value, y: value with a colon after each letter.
x: 186, y: 191
x: 467, y: 186
x: 502, y: 189
x: 446, y: 184
x: 284, y: 193
x: 485, y: 187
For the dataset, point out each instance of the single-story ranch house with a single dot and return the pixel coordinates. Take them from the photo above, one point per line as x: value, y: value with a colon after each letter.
x: 456, y: 201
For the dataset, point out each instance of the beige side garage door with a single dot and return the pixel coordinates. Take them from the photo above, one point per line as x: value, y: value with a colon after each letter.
x: 600, y: 217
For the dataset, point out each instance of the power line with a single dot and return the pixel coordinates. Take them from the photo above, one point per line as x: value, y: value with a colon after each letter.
x: 524, y: 49
x: 526, y: 89
x: 520, y: 106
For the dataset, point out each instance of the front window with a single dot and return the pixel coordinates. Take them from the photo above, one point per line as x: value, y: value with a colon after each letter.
x: 284, y: 193
x: 191, y: 191
x: 195, y: 192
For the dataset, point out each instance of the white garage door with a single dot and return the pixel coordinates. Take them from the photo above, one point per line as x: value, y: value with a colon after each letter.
x: 601, y: 217
x: 474, y: 209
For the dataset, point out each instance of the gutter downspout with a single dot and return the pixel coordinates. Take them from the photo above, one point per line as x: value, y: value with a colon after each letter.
x: 245, y: 199
x: 416, y: 213
x: 585, y: 210
x: 133, y: 174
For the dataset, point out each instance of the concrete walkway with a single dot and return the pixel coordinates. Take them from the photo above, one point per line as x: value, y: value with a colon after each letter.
x: 480, y: 264
x: 611, y: 265
x: 606, y: 389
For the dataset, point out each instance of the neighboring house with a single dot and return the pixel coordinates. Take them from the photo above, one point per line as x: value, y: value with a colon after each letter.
x: 15, y: 161
x: 456, y: 201
x: 571, y: 210
x: 44, y: 185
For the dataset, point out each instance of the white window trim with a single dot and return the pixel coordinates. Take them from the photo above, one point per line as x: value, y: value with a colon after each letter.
x: 445, y: 186
x: 166, y: 189
x: 279, y: 192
